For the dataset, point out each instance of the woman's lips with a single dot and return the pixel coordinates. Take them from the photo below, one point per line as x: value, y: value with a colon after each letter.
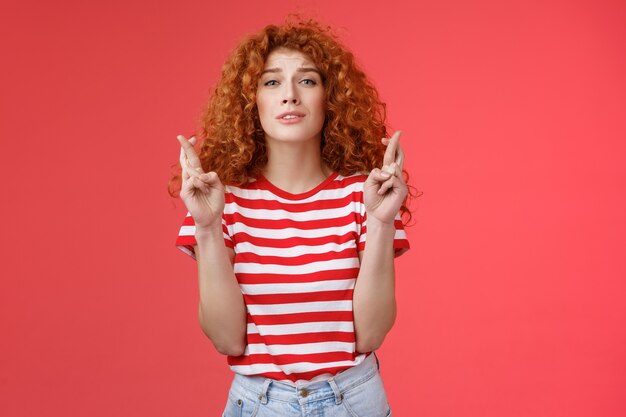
x: 290, y: 118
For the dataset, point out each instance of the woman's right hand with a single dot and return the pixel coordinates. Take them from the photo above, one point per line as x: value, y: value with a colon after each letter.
x: 202, y: 193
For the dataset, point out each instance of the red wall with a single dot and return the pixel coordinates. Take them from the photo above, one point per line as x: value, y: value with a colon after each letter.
x: 511, y: 301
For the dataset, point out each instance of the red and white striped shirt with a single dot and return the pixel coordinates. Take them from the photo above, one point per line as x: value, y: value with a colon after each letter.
x: 296, y: 261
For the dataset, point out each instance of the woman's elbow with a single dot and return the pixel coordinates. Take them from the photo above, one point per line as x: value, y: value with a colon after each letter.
x: 366, y: 347
x: 369, y: 344
x: 226, y: 344
x: 233, y: 349
x: 372, y: 339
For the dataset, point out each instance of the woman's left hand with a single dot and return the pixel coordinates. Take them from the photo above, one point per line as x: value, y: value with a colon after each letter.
x: 385, y: 189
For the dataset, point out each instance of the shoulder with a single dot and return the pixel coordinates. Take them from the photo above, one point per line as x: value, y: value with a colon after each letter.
x: 238, y: 190
x: 354, y: 181
x: 349, y: 188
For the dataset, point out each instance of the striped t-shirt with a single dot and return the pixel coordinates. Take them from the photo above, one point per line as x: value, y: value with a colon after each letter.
x: 296, y: 261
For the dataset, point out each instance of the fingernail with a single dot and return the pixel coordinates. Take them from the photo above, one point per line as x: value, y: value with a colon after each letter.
x: 181, y: 137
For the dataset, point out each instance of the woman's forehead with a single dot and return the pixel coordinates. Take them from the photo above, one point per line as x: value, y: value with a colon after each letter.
x: 288, y: 56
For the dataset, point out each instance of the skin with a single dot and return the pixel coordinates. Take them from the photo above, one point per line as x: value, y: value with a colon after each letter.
x: 294, y: 165
x: 221, y: 310
x: 291, y: 83
x: 374, y: 301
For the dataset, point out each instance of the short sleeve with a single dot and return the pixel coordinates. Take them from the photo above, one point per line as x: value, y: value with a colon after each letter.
x: 186, y: 238
x: 400, y: 241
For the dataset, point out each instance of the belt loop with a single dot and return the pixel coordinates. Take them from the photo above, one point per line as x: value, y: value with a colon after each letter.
x: 377, y: 362
x: 263, y: 395
x: 338, y: 395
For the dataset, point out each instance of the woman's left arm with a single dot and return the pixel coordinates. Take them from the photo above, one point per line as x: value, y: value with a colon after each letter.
x: 374, y: 301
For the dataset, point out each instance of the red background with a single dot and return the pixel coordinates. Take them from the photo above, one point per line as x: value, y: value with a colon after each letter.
x: 511, y: 301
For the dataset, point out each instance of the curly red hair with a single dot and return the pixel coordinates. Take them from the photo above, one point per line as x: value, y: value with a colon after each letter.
x: 233, y: 141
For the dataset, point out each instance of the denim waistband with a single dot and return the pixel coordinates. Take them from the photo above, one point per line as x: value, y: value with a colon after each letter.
x: 265, y: 388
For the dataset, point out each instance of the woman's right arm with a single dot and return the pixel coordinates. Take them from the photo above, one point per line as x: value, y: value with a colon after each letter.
x: 222, y: 312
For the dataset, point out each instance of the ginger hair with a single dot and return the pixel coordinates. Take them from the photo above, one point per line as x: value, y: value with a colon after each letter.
x: 231, y: 136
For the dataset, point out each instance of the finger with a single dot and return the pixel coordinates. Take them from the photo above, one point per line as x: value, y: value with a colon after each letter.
x: 194, y: 172
x: 183, y: 165
x: 182, y: 141
x: 386, y: 186
x: 378, y: 176
x: 375, y: 179
x: 182, y: 159
x: 396, y: 170
x: 400, y: 158
x: 392, y: 146
x: 388, y: 169
x: 211, y: 178
x: 189, y: 151
x: 199, y: 184
x: 188, y: 170
x: 206, y: 179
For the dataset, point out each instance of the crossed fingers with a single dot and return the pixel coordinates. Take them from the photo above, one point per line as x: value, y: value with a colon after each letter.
x: 193, y: 174
x: 189, y: 161
x: 393, y: 160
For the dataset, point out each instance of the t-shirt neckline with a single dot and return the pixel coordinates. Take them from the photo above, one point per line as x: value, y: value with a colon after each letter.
x: 261, y: 180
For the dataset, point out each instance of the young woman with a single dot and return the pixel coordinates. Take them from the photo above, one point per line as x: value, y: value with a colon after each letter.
x: 294, y: 204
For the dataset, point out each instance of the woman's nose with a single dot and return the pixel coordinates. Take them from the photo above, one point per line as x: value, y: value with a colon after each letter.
x: 291, y: 95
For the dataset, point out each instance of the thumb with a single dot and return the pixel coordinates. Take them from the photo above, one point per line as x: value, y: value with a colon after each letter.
x: 377, y: 175
x: 211, y: 178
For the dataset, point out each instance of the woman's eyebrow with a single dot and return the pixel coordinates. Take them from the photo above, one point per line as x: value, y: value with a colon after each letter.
x: 302, y: 69
x: 309, y: 69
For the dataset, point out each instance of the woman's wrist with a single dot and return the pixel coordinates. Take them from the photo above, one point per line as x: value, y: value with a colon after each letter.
x: 380, y: 231
x: 206, y: 233
x: 374, y: 224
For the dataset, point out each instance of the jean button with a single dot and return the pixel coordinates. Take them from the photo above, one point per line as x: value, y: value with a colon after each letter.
x: 304, y: 392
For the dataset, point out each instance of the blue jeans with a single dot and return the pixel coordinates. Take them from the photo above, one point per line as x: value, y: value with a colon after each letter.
x: 355, y: 392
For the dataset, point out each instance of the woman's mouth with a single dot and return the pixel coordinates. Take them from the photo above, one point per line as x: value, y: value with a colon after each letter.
x: 291, y: 117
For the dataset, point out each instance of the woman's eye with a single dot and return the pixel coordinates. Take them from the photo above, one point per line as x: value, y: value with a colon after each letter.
x: 271, y: 82
x: 309, y: 82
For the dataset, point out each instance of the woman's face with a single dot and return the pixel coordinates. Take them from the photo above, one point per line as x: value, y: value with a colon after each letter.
x: 290, y: 98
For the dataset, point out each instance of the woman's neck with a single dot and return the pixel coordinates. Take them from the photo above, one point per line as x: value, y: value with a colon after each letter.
x: 295, y: 167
